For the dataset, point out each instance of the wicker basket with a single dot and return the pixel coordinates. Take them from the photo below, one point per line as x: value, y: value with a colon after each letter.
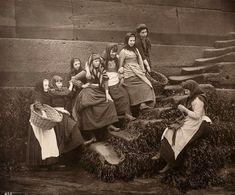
x: 45, y: 123
x: 158, y: 81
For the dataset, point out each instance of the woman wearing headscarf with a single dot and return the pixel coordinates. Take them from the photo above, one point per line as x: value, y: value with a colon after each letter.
x: 116, y: 90
x: 143, y: 44
x: 38, y: 155
x: 195, y: 125
x: 139, y: 88
x: 94, y: 107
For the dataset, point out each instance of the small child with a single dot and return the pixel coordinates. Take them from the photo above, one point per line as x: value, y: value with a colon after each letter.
x: 60, y: 94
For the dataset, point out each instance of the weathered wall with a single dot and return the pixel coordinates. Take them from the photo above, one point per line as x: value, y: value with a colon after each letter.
x: 188, y: 22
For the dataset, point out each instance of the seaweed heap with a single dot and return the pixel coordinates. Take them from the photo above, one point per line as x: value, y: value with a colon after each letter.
x: 202, y: 161
x: 138, y: 148
x: 14, y: 118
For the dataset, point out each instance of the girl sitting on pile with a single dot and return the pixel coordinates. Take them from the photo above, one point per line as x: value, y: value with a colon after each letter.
x: 116, y: 90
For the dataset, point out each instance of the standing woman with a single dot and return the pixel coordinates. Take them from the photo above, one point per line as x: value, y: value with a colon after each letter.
x: 195, y: 125
x: 94, y: 107
x: 139, y: 88
x: 144, y: 45
x: 116, y: 90
x: 67, y: 131
x: 36, y: 151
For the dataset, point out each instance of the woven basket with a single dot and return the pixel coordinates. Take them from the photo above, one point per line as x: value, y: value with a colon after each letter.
x: 158, y: 80
x: 45, y: 123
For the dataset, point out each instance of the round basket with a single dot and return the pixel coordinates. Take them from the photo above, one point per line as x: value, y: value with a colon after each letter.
x: 45, y: 123
x: 158, y: 80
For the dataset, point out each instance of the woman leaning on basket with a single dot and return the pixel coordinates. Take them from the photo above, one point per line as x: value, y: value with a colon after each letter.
x: 34, y: 151
x: 139, y: 88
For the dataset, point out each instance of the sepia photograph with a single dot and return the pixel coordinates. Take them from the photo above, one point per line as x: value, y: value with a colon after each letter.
x: 117, y: 97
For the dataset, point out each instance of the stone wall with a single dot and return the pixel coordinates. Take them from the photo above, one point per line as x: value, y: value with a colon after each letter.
x: 188, y: 22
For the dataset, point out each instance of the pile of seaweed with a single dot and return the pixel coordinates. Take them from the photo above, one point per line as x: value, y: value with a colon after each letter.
x: 203, y: 159
x: 137, y: 149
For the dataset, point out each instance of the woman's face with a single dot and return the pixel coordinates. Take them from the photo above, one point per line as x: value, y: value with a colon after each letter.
x: 76, y: 64
x: 131, y: 41
x: 46, y: 85
x: 113, y: 54
x: 143, y: 33
x: 186, y: 91
x: 59, y: 84
x: 96, y: 63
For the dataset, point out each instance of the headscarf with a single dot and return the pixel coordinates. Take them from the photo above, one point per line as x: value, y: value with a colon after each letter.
x: 74, y: 71
x: 126, y: 45
x: 41, y: 95
x: 99, y: 72
x: 195, y: 91
x: 39, y: 87
x: 53, y: 81
x: 106, y: 54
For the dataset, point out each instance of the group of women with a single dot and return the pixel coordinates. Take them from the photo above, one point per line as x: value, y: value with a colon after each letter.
x: 99, y: 94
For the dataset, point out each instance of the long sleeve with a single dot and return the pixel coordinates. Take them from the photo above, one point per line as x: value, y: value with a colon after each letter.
x: 121, y: 58
x: 198, y: 109
x: 141, y: 61
x: 138, y: 44
x: 64, y: 92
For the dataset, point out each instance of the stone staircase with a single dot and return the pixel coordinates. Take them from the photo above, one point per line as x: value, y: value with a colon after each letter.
x: 216, y: 66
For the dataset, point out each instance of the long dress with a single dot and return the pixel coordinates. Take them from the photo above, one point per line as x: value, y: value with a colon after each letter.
x: 137, y: 85
x: 92, y: 109
x: 117, y: 91
x: 194, y: 126
x: 33, y: 150
x: 67, y: 131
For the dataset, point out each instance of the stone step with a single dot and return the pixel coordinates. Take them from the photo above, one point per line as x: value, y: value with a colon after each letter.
x: 226, y: 43
x: 229, y: 57
x: 213, y: 52
x: 200, y: 78
x: 199, y: 69
x: 106, y: 153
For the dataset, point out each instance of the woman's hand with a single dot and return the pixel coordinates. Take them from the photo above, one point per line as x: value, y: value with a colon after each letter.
x: 70, y: 85
x: 182, y: 108
x: 108, y: 97
x: 88, y: 73
x: 147, y: 65
x: 85, y: 85
x: 121, y: 70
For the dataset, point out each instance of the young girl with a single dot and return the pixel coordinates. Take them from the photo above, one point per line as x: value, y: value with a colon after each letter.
x: 67, y: 131
x: 94, y: 106
x: 196, y: 123
x: 77, y: 74
x: 38, y: 154
x: 116, y: 90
